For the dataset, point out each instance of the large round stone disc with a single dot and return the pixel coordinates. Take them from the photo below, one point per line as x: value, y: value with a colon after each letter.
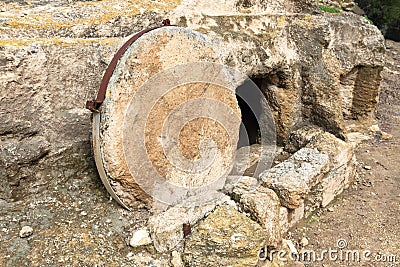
x: 170, y: 121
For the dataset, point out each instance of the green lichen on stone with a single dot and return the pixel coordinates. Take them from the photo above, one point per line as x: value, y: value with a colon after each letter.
x: 329, y: 9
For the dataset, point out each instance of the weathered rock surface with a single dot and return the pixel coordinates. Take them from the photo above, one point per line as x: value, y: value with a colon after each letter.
x: 301, y: 137
x: 312, y: 193
x: 246, y: 157
x: 294, y: 178
x: 166, y: 228
x: 139, y: 238
x: 341, y: 173
x: 302, y: 62
x: 45, y: 128
x: 239, y: 184
x: 339, y: 4
x: 225, y: 238
x: 289, y: 217
x: 80, y: 19
x: 312, y: 66
x: 26, y: 231
x: 340, y: 153
x: 260, y: 202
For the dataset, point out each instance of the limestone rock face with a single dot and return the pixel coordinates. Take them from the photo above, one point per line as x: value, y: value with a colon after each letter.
x: 312, y: 189
x: 341, y: 173
x: 303, y: 64
x: 339, y: 152
x: 45, y: 129
x: 339, y: 4
x: 313, y: 67
x: 289, y: 217
x: 261, y: 203
x: 301, y: 137
x: 225, y: 238
x: 166, y: 228
x: 294, y: 178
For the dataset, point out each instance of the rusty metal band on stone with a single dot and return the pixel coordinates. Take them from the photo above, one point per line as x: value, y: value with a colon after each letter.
x: 94, y: 105
x: 187, y: 229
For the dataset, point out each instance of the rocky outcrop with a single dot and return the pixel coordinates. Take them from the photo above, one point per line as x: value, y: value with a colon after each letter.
x: 299, y: 59
x: 319, y: 72
x: 166, y: 227
x: 342, y: 170
x: 294, y: 178
x: 313, y: 67
x: 260, y: 202
x: 283, y: 195
x: 222, y: 242
x: 45, y: 131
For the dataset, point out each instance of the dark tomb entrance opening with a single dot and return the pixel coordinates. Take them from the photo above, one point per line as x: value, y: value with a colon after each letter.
x: 249, y: 99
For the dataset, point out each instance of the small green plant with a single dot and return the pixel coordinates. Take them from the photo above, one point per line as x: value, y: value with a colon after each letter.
x: 329, y: 9
x: 370, y: 21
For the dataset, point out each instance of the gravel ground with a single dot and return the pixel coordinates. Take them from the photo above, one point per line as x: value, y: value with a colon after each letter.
x: 74, y: 224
